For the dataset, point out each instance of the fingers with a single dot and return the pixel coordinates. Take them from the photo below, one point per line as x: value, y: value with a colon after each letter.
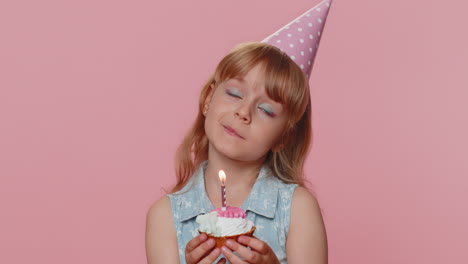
x: 199, y: 247
x: 231, y: 257
x: 247, y: 254
x: 195, y: 242
x: 212, y: 257
x: 254, y: 243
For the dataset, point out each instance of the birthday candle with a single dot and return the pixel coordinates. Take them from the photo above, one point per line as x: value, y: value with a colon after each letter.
x: 222, y: 178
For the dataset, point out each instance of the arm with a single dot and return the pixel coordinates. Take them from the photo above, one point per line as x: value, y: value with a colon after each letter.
x: 307, y: 239
x: 161, y: 239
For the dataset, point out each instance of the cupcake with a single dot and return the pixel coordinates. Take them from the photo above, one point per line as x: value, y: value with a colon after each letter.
x: 225, y: 223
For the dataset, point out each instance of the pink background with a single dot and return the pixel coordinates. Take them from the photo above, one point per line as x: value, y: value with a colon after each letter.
x: 96, y: 95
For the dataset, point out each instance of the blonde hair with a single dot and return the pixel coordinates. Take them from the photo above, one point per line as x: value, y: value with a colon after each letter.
x: 284, y: 83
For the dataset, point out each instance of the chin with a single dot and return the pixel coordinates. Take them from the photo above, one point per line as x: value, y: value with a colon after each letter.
x: 236, y: 151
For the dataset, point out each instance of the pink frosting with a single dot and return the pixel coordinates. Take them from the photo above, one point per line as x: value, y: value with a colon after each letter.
x: 230, y: 212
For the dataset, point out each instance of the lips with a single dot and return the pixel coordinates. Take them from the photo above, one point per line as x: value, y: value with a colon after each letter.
x: 231, y: 131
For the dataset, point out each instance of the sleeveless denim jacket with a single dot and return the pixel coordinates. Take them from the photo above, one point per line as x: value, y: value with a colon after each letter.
x: 268, y: 206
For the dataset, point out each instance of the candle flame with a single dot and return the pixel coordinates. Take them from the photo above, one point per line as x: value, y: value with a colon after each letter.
x: 222, y: 176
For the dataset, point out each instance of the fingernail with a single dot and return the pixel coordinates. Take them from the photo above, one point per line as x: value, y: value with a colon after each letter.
x: 229, y: 243
x: 203, y: 237
x: 224, y: 249
x: 242, y: 239
x: 211, y: 242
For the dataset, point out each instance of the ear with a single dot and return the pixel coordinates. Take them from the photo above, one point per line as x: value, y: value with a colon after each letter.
x: 206, y: 104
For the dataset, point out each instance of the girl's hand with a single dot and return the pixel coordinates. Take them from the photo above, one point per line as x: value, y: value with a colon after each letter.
x: 259, y: 251
x: 200, y: 250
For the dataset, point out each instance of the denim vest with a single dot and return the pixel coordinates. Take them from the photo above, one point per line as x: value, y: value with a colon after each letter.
x: 268, y: 206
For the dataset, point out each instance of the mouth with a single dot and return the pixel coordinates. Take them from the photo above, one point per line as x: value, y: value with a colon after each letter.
x: 231, y: 131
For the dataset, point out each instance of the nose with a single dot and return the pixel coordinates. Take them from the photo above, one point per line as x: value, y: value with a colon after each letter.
x: 243, y: 113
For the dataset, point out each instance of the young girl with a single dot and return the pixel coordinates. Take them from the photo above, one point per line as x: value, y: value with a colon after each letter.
x: 254, y: 122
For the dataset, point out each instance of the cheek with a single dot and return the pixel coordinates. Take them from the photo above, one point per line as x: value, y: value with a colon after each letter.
x: 268, y: 136
x: 218, y: 105
x: 209, y: 124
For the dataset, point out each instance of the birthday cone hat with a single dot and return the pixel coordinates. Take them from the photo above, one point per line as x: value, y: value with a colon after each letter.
x: 301, y: 37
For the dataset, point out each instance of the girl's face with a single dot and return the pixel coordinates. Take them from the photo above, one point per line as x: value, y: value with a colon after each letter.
x: 242, y: 123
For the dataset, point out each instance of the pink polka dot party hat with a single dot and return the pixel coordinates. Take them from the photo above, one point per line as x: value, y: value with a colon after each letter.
x: 301, y: 37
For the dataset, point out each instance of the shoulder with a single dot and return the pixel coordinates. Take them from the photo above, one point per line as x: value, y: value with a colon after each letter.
x: 307, y: 236
x: 161, y: 239
x: 303, y: 198
x: 160, y: 208
x: 305, y: 208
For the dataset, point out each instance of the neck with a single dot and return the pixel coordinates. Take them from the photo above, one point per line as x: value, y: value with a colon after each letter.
x: 237, y: 172
x: 240, y: 177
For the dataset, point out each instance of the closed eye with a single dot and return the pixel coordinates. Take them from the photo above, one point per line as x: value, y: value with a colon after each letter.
x: 233, y: 94
x: 269, y: 113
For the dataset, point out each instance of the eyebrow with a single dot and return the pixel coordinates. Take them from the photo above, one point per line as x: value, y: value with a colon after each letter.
x: 239, y: 79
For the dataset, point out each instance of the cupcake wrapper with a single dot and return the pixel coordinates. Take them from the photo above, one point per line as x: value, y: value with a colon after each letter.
x: 220, y: 241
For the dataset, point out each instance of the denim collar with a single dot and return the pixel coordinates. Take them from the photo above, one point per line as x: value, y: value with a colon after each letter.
x: 262, y: 199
